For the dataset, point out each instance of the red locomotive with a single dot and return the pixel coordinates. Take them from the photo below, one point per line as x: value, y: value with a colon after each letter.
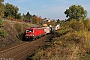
x: 33, y: 33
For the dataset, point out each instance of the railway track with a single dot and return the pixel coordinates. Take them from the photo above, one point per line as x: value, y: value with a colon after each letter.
x: 21, y: 51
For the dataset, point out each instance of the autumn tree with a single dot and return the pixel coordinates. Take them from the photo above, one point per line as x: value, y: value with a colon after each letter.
x: 33, y: 18
x: 76, y: 12
x: 52, y: 23
x: 39, y: 20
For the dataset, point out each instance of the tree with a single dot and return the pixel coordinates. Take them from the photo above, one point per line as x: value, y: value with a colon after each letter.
x: 58, y: 21
x: 37, y: 20
x: 1, y: 0
x: 34, y: 19
x: 11, y: 10
x: 40, y: 21
x: 52, y: 23
x: 1, y: 8
x: 18, y: 16
x: 28, y: 16
x: 76, y: 12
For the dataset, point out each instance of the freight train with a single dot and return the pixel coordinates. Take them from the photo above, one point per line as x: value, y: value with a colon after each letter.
x: 34, y: 32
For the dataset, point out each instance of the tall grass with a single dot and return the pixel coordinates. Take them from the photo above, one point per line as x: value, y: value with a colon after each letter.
x: 18, y: 27
x: 72, y: 43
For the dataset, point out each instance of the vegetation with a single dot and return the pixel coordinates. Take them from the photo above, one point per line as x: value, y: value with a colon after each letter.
x: 27, y: 16
x: 11, y: 11
x: 3, y: 33
x: 1, y: 23
x: 18, y: 27
x: 71, y: 43
x: 77, y: 25
x: 76, y: 12
x: 1, y: 8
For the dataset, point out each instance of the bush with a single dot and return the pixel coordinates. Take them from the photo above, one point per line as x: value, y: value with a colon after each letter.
x: 18, y: 27
x: 0, y: 22
x: 21, y: 36
x: 3, y: 33
x: 61, y: 32
x: 77, y: 26
x: 87, y: 24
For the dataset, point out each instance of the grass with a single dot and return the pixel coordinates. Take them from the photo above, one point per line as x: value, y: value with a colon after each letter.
x: 69, y: 44
x: 61, y: 49
x: 18, y: 27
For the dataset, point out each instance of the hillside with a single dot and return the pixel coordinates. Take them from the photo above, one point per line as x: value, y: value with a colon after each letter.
x: 12, y: 33
x: 72, y: 42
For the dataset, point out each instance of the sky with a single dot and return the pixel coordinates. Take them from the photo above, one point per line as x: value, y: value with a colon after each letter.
x: 53, y: 9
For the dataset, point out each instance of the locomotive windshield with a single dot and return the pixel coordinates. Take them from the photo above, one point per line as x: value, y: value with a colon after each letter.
x: 29, y: 30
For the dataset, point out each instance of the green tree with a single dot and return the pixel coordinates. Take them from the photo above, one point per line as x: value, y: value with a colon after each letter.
x: 28, y: 16
x: 18, y: 16
x: 23, y: 16
x: 76, y: 12
x: 87, y: 24
x: 11, y: 10
x: 58, y: 21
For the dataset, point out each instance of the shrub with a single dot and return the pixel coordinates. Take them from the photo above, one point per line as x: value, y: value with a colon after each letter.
x: 87, y: 24
x: 37, y: 56
x: 77, y: 26
x: 18, y: 27
x: 61, y: 32
x: 0, y: 22
x: 3, y: 33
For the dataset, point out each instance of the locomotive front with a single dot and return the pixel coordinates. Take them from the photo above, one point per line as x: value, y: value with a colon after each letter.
x: 29, y: 33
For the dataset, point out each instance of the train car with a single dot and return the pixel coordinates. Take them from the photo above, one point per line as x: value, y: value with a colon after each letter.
x: 34, y: 32
x: 47, y: 30
x: 57, y: 27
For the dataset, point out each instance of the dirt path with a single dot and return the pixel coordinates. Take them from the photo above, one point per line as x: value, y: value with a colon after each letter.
x: 22, y: 51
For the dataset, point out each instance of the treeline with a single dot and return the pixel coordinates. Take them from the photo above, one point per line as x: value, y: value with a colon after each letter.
x: 11, y: 12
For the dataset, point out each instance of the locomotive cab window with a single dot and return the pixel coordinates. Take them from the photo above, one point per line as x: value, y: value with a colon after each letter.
x: 29, y: 30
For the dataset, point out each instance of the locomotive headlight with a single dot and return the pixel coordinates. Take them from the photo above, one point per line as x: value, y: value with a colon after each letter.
x: 32, y: 34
